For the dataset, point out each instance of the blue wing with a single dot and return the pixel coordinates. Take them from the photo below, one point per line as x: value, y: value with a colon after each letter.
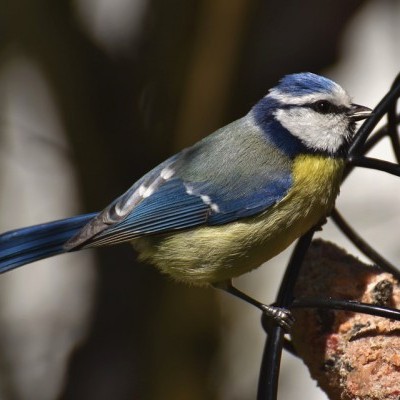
x: 198, y: 186
x: 172, y: 208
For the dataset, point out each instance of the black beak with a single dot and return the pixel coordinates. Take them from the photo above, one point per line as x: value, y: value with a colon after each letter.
x: 358, y: 113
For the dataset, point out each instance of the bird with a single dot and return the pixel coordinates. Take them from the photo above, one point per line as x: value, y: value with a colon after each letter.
x: 228, y: 203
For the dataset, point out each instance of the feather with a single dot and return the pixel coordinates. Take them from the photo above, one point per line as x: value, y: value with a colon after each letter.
x: 26, y: 245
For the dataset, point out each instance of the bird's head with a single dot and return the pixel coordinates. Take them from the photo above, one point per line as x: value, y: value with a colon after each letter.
x: 308, y: 113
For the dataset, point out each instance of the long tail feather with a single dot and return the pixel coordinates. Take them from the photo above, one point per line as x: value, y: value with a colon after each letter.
x: 26, y: 245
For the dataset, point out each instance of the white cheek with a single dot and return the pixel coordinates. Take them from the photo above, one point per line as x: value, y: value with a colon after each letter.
x: 325, y: 132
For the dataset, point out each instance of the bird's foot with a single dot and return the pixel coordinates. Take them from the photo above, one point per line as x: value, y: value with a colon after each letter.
x: 278, y: 315
x: 281, y: 316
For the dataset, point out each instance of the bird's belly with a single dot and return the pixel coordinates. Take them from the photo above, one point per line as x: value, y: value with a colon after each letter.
x: 215, y: 253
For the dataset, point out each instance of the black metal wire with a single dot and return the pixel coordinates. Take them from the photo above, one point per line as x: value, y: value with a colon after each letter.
x: 363, y: 143
x: 269, y: 373
x: 347, y: 305
x: 374, y: 163
x: 393, y: 122
x: 379, y: 111
x: 363, y: 246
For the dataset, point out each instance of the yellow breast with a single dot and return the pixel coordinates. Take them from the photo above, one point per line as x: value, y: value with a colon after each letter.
x: 216, y: 253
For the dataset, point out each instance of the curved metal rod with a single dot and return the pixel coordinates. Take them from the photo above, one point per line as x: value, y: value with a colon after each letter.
x: 392, y: 127
x: 379, y: 111
x: 378, y: 136
x: 269, y: 373
x: 363, y: 246
x: 374, y: 163
x: 369, y: 144
x: 347, y: 305
x: 392, y: 130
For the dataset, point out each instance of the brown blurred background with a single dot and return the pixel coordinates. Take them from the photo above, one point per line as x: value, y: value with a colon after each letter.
x: 125, y: 84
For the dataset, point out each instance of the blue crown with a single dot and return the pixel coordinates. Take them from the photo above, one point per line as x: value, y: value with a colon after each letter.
x: 305, y: 83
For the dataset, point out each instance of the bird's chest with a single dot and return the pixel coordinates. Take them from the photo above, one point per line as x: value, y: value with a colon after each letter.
x: 316, y: 182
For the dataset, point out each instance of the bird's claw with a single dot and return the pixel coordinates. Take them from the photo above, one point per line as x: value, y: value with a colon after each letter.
x: 280, y: 316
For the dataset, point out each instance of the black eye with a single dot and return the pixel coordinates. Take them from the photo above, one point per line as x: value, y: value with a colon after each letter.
x: 323, y: 106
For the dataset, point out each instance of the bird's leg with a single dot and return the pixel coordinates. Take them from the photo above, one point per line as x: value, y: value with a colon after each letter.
x: 281, y: 316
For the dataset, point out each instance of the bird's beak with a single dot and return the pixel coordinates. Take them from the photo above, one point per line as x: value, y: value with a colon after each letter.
x: 358, y: 113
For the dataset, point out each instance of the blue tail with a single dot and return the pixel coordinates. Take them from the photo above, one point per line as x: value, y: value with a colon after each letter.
x: 26, y: 245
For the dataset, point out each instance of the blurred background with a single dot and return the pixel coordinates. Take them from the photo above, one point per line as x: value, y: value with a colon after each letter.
x: 93, y: 93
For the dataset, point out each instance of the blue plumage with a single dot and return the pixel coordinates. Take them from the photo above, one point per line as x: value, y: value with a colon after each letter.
x: 172, y: 208
x: 169, y: 208
x: 304, y: 84
x: 263, y: 114
x: 26, y: 245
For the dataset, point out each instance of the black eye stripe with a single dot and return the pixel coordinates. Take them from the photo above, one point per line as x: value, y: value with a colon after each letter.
x: 326, y: 107
x: 333, y: 109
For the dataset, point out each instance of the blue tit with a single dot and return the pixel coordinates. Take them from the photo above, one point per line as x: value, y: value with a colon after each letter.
x: 230, y: 202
